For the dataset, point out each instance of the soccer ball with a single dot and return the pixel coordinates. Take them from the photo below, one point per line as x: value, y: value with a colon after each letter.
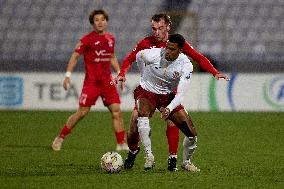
x: 111, y: 162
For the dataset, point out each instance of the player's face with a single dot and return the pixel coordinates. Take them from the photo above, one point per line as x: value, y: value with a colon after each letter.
x: 100, y: 23
x: 172, y: 51
x: 160, y: 30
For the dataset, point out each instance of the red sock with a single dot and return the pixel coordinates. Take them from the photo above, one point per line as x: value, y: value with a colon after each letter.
x: 120, y: 137
x: 173, y: 138
x: 132, y: 141
x: 64, y: 132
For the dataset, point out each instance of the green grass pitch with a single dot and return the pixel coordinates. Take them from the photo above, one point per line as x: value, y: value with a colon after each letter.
x: 235, y: 150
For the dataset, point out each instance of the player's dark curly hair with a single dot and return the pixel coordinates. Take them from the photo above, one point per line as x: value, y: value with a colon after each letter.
x: 158, y: 17
x: 177, y: 38
x: 95, y: 12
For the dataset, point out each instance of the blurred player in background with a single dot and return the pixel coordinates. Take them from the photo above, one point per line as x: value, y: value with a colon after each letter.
x: 164, y: 71
x: 161, y: 24
x: 97, y: 47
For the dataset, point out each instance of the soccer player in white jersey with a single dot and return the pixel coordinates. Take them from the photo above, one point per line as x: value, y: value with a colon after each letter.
x: 164, y: 70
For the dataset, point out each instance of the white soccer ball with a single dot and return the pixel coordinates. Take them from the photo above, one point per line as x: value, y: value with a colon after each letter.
x: 111, y: 162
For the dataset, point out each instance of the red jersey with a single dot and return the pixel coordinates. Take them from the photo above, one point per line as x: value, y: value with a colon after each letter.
x: 152, y: 42
x: 97, y: 51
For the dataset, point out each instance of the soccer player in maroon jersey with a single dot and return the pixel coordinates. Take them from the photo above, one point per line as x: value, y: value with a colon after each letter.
x: 97, y: 47
x: 161, y: 24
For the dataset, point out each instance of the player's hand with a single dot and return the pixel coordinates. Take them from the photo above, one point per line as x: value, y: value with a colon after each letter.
x: 119, y: 79
x: 165, y: 112
x: 66, y: 83
x: 221, y: 75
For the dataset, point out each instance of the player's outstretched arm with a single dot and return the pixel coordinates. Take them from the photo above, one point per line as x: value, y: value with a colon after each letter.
x: 120, y: 78
x: 200, y: 59
x: 128, y: 61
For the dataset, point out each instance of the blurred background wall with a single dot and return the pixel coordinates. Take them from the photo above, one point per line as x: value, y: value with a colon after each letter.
x: 236, y: 35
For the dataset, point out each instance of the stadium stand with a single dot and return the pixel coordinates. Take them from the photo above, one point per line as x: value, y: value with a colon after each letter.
x: 242, y: 35
x: 40, y: 35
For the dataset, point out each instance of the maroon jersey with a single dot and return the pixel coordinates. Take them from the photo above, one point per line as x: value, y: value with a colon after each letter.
x: 152, y: 42
x: 97, y: 51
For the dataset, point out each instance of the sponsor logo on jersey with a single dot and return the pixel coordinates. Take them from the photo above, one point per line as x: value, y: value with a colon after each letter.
x: 188, y: 76
x: 97, y: 42
x: 101, y: 59
x: 102, y: 53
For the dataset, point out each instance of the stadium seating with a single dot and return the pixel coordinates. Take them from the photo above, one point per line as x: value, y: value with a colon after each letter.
x: 244, y: 30
x: 230, y: 31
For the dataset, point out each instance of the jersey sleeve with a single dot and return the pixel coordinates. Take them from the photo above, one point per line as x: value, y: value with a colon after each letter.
x: 130, y: 58
x: 199, y: 58
x: 140, y: 60
x: 83, y: 46
x: 150, y: 55
x: 183, y: 86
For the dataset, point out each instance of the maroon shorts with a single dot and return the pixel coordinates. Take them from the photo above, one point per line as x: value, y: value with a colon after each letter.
x: 157, y: 100
x: 91, y: 92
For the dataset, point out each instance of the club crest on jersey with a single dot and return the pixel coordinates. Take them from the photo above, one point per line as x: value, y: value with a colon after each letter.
x: 176, y: 75
x: 189, y: 75
x: 110, y: 44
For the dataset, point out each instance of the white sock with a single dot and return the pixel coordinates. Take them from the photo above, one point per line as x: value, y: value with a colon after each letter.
x: 189, y: 146
x: 133, y: 152
x: 173, y: 156
x: 144, y: 133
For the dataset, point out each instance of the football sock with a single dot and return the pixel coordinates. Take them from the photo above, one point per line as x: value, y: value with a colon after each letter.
x: 64, y: 132
x: 133, y: 152
x: 132, y: 141
x: 144, y: 133
x: 189, y: 146
x: 173, y: 138
x: 120, y: 137
x: 173, y: 156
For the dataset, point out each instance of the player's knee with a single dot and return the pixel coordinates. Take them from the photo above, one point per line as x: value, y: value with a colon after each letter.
x: 116, y: 114
x: 143, y: 113
x: 134, y: 114
x: 134, y: 117
x: 170, y: 123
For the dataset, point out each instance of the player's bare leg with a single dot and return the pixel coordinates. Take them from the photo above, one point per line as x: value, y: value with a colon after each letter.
x: 133, y: 134
x: 132, y: 140
x: 69, y: 125
x: 184, y: 122
x: 118, y: 126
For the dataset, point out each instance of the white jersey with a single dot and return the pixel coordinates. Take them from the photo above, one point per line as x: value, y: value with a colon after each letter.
x: 160, y: 76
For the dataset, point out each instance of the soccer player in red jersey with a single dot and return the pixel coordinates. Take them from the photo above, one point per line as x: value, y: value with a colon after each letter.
x: 161, y: 24
x: 97, y: 47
